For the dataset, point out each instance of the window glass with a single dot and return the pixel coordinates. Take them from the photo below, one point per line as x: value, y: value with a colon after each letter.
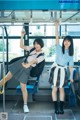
x: 73, y: 30
x: 42, y: 30
x: 76, y: 50
x: 36, y: 30
x: 50, y: 30
x: 14, y: 49
x: 2, y: 50
x: 0, y: 31
x: 63, y: 30
x: 14, y: 30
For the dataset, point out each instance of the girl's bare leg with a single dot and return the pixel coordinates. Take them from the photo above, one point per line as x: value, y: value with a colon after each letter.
x: 25, y: 97
x: 62, y: 94
x: 54, y: 93
x: 61, y: 104
x: 24, y: 92
x: 6, y: 78
x: 54, y: 97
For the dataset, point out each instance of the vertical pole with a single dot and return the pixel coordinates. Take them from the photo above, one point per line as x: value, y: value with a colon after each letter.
x: 7, y: 56
x: 3, y: 69
x: 26, y: 37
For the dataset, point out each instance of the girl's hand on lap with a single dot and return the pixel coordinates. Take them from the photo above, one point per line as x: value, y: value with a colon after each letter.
x: 27, y: 65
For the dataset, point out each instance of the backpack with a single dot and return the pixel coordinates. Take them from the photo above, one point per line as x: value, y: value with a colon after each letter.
x: 37, y: 70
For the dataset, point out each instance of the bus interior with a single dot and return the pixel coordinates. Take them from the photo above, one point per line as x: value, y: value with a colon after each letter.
x: 37, y: 23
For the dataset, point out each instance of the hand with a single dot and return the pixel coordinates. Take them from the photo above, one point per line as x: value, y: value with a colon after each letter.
x: 27, y: 65
x: 71, y: 81
x: 36, y: 61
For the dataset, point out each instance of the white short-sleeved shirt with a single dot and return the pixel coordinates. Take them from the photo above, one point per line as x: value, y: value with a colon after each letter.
x: 33, y: 55
x: 63, y: 59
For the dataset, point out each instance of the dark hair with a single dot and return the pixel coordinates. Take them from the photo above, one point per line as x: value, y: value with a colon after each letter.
x: 39, y: 41
x: 71, y: 47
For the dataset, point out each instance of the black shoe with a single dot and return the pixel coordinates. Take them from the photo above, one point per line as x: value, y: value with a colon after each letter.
x: 56, y: 111
x: 56, y: 107
x: 61, y: 111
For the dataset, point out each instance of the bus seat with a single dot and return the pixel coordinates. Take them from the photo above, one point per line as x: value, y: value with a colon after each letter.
x: 32, y: 88
x: 32, y: 85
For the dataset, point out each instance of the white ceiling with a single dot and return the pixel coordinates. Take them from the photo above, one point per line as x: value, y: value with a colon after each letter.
x: 40, y: 16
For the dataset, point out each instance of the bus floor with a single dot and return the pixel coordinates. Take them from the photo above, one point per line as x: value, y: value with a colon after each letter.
x: 38, y: 111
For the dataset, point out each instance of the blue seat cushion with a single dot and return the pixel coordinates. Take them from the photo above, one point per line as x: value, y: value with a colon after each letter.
x: 67, y: 88
x: 30, y: 89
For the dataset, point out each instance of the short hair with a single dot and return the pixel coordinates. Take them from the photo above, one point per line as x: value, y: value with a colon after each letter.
x: 39, y: 41
x: 71, y: 47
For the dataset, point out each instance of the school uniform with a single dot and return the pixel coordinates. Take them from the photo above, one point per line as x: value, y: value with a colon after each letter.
x: 58, y: 74
x: 19, y: 72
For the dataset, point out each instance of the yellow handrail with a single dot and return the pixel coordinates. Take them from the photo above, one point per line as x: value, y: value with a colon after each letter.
x: 2, y: 91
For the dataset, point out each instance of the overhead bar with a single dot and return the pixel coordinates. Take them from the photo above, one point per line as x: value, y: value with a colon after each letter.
x: 39, y: 24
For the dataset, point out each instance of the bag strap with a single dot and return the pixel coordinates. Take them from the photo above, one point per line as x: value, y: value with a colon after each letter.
x: 41, y: 54
x: 31, y: 50
x: 28, y: 52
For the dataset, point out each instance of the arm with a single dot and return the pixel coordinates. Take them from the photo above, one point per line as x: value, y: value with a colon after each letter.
x: 33, y: 62
x: 40, y: 59
x: 21, y: 41
x: 71, y: 74
x: 26, y: 65
x: 56, y: 32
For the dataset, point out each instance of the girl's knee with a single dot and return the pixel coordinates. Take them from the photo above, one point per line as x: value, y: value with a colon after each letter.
x: 54, y: 89
x: 61, y: 89
x: 23, y: 87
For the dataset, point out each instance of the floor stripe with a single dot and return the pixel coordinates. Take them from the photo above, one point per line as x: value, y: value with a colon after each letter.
x: 36, y: 117
x: 66, y: 118
x: 73, y: 115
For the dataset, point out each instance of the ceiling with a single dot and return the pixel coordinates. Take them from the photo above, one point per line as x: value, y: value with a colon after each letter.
x: 40, y: 16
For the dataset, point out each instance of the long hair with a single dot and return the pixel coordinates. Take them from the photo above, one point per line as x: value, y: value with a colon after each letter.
x: 71, y: 47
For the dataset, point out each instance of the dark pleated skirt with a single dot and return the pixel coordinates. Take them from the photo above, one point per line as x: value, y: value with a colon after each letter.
x: 19, y: 72
x: 52, y: 73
